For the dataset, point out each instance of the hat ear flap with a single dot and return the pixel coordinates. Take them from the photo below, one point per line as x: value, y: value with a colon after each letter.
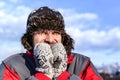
x: 26, y: 42
x: 68, y: 42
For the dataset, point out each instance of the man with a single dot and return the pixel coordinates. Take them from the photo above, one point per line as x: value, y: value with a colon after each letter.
x: 48, y: 55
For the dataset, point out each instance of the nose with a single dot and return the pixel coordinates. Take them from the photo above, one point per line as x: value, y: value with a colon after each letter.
x: 49, y: 39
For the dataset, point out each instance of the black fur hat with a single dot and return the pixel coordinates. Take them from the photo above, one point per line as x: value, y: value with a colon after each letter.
x: 45, y: 18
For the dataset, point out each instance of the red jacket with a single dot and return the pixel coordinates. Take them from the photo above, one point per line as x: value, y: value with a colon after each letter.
x: 22, y: 67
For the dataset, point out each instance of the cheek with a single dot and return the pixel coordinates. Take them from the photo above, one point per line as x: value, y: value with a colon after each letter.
x: 38, y: 39
x: 59, y: 38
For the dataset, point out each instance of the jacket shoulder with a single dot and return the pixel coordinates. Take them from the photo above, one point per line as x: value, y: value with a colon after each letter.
x: 21, y: 64
x: 80, y: 57
x: 79, y: 63
x: 14, y: 58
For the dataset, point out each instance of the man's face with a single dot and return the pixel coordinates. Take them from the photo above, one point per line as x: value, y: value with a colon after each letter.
x: 47, y: 36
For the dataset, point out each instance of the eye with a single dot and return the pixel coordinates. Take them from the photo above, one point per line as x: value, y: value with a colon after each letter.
x: 56, y: 33
x: 37, y: 32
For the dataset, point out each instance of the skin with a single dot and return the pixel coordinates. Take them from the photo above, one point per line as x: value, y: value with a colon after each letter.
x: 47, y: 36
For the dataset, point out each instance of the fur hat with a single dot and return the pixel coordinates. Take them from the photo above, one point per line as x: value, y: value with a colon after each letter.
x: 45, y: 18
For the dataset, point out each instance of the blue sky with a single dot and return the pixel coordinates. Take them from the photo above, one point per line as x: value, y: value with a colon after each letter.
x: 93, y: 24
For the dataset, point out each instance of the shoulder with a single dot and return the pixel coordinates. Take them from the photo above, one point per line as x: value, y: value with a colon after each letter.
x: 21, y: 64
x: 79, y: 63
x: 80, y: 57
x: 13, y: 59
